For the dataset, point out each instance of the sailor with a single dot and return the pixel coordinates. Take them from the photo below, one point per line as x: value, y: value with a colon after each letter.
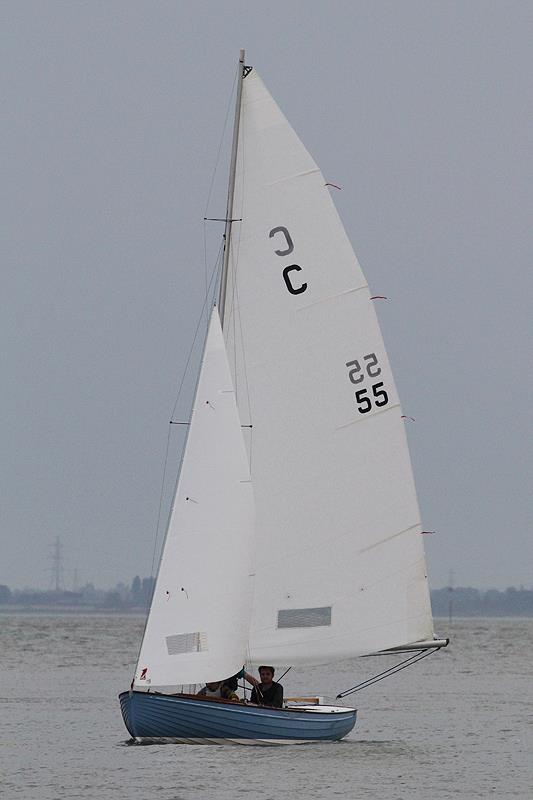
x: 266, y: 691
x: 217, y: 689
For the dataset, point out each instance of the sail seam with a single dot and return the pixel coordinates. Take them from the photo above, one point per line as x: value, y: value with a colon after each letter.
x: 325, y: 545
x: 405, y: 569
x: 370, y: 416
x: 388, y: 538
x: 334, y: 297
x: 292, y: 177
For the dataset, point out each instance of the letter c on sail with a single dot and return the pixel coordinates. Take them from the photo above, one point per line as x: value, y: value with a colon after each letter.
x: 293, y: 289
x: 285, y: 232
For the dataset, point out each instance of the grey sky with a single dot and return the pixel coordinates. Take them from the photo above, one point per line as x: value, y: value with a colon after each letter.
x: 112, y: 115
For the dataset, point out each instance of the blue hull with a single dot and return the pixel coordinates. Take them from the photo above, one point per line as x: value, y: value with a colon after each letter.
x: 188, y: 719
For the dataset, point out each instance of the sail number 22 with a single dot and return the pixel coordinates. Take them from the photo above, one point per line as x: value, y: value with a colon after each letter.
x: 358, y: 372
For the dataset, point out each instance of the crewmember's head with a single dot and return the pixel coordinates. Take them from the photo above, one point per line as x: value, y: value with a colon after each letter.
x: 266, y: 674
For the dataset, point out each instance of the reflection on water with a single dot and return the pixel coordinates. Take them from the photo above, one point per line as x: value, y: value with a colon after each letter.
x: 457, y: 725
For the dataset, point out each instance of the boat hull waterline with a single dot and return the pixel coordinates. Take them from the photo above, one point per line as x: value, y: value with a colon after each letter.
x: 185, y: 719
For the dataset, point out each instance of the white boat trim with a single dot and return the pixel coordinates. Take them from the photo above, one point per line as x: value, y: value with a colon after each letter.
x: 318, y: 709
x: 145, y: 740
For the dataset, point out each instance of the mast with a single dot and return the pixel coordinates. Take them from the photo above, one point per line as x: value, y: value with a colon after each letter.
x: 231, y: 190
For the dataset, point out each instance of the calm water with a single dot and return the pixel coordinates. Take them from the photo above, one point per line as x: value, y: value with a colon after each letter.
x: 458, y: 725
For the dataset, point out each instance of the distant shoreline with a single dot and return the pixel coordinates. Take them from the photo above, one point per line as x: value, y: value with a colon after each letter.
x: 57, y: 611
x: 448, y: 602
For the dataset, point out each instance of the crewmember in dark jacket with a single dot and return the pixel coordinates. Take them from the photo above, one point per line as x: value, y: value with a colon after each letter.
x: 266, y: 692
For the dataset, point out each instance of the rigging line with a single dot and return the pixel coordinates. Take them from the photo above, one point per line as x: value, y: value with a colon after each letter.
x: 221, y: 249
x: 282, y: 676
x: 205, y: 275
x: 159, y: 513
x: 238, y: 167
x: 221, y: 141
x: 213, y: 176
x: 180, y: 387
x: 231, y: 324
x: 238, y: 317
x: 236, y: 288
x: 151, y: 591
x: 233, y: 313
x: 246, y: 382
x: 408, y: 662
x: 248, y: 659
x: 208, y: 285
x: 384, y: 674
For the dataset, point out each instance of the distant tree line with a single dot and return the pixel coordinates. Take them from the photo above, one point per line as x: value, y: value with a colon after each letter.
x: 462, y: 601
x: 136, y: 596
x: 468, y: 602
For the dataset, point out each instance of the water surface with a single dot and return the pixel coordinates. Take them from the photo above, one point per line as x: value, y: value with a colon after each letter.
x: 457, y: 725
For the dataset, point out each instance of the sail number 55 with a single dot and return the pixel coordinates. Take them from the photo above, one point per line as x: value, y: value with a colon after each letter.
x: 367, y: 396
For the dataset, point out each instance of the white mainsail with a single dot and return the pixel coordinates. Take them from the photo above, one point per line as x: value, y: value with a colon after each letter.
x: 197, y: 629
x: 340, y: 567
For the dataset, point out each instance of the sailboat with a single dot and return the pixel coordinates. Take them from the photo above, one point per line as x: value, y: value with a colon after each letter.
x: 294, y: 536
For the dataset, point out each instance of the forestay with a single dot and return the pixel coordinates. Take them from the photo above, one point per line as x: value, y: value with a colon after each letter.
x: 198, y: 624
x: 340, y: 567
